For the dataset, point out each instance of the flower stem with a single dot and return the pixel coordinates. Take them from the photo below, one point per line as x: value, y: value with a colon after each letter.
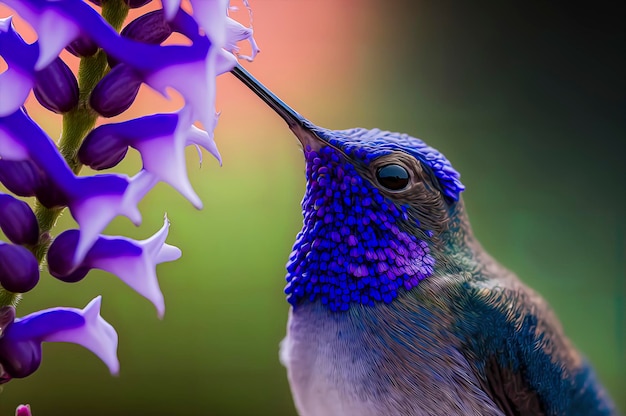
x: 76, y: 124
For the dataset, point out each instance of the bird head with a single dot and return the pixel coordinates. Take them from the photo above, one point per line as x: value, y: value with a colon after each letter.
x: 378, y: 212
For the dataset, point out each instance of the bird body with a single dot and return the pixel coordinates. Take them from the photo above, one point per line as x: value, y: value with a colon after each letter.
x: 396, y: 309
x: 435, y: 351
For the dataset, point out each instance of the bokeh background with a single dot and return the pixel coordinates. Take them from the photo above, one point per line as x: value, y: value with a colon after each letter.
x: 525, y: 98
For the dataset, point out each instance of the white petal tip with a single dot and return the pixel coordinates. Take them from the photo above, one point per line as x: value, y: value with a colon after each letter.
x: 159, y: 305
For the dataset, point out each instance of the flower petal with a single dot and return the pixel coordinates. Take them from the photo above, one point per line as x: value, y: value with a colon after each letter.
x: 96, y: 334
x: 20, y: 344
x: 138, y: 272
x: 17, y: 81
x: 46, y: 19
x: 170, y: 7
x: 15, y: 86
x: 160, y: 139
x: 99, y: 199
x: 134, y: 262
x: 235, y: 33
x: 210, y: 15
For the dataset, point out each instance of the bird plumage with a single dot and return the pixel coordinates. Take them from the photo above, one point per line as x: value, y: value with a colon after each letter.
x: 396, y: 308
x: 441, y: 327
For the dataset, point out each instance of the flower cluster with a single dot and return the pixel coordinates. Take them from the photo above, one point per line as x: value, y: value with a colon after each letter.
x: 33, y: 165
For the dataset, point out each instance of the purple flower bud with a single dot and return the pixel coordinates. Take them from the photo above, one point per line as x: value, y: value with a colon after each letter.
x: 17, y: 220
x: 116, y: 91
x: 134, y: 262
x: 20, y: 344
x: 22, y: 178
x: 151, y: 28
x: 23, y: 410
x: 60, y: 258
x: 19, y: 270
x: 56, y: 88
x: 133, y: 4
x: 99, y: 152
x: 82, y: 46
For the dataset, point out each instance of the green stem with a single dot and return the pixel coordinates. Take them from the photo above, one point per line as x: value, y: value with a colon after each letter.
x: 76, y: 124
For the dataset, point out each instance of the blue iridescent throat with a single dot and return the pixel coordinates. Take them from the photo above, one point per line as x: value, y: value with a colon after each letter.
x: 351, y: 249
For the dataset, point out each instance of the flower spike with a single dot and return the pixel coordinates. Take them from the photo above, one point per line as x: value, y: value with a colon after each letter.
x: 191, y: 70
x: 31, y: 163
x: 93, y: 200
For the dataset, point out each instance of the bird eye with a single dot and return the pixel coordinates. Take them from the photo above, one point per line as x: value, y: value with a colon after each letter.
x: 393, y: 177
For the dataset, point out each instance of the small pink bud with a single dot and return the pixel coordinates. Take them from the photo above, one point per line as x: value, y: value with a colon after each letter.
x: 23, y: 410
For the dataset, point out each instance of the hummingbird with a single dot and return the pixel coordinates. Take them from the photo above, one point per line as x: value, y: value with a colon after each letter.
x: 396, y: 309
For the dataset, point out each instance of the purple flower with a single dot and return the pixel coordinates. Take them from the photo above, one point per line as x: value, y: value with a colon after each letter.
x: 93, y: 201
x: 191, y: 70
x: 160, y: 139
x: 134, y: 262
x: 33, y: 165
x: 20, y: 344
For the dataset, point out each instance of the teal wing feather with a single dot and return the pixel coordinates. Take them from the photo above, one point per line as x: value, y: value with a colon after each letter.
x: 518, y: 350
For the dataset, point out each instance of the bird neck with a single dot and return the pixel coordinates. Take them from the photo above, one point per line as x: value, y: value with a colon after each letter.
x: 459, y: 249
x: 458, y: 236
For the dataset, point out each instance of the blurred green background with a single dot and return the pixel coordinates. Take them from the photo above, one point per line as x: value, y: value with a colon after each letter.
x: 525, y: 98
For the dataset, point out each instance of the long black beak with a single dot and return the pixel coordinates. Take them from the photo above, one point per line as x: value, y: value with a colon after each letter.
x: 287, y: 113
x: 300, y: 126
